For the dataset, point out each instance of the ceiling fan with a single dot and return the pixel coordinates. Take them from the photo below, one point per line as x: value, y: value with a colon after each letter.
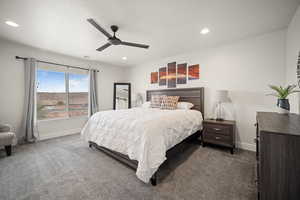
x: 113, y: 40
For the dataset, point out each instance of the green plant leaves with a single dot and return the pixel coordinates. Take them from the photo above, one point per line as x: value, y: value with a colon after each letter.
x: 283, y: 93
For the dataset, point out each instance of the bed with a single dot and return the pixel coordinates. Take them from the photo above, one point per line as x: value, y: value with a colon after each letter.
x: 141, y: 137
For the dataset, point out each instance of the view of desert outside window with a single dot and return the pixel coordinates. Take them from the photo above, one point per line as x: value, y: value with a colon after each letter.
x: 52, y: 96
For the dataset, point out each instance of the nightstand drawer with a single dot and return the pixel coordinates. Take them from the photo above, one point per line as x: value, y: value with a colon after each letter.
x: 217, y: 138
x: 218, y: 129
x: 219, y: 132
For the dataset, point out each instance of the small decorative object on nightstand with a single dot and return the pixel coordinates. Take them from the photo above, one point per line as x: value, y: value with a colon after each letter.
x: 219, y: 132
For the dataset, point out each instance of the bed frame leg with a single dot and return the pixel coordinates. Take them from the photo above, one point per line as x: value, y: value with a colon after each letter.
x: 153, y: 179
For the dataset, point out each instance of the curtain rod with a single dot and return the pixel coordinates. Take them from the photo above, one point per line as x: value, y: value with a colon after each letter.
x: 41, y: 61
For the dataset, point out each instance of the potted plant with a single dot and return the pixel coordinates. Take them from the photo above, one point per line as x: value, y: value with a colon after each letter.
x: 282, y: 93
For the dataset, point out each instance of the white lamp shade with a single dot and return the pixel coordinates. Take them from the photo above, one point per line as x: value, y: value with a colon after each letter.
x: 221, y: 96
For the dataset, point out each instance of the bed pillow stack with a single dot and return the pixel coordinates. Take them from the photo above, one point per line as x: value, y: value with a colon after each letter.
x: 180, y: 105
x: 185, y: 105
x: 169, y: 102
x: 147, y: 104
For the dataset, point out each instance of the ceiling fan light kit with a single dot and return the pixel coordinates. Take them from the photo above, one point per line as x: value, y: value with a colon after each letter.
x: 112, y: 39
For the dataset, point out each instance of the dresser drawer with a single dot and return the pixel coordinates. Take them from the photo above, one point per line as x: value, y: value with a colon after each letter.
x: 217, y: 138
x: 218, y: 129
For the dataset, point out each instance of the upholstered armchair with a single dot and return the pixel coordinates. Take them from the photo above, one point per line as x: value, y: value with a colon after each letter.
x: 7, y: 138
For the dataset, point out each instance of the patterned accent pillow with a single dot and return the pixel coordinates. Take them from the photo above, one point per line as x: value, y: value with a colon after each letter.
x: 169, y: 102
x: 156, y: 101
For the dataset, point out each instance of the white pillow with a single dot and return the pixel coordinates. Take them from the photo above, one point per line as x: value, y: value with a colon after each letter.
x: 147, y: 104
x: 184, y: 105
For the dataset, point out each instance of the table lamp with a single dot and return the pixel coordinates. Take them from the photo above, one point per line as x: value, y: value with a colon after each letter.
x: 138, y: 99
x: 221, y: 97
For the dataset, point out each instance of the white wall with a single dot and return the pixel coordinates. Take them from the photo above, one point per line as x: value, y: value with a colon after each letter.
x: 292, y: 51
x: 245, y: 68
x: 12, y: 86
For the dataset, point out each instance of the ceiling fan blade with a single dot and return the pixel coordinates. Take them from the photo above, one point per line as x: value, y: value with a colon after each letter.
x: 103, y: 47
x: 97, y: 26
x: 135, y: 45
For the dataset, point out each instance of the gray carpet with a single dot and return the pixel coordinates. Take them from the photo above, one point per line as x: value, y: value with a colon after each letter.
x: 66, y: 168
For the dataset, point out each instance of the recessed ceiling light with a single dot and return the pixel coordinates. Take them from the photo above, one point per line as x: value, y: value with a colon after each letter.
x: 204, y: 31
x: 124, y: 58
x: 11, y: 23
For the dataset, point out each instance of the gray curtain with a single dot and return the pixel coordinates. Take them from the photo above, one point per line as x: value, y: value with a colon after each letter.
x: 29, y: 101
x: 93, y: 101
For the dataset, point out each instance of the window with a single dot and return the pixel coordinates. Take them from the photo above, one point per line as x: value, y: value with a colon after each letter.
x: 61, y: 93
x: 78, y: 95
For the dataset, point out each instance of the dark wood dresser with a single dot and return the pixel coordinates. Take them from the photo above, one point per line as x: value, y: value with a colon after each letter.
x: 278, y: 156
x: 219, y: 132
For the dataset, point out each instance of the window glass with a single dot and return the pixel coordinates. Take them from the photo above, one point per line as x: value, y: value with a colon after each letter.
x: 78, y: 94
x: 51, y: 95
x: 56, y: 98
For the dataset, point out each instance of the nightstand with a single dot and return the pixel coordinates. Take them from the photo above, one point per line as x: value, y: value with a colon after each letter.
x: 219, y: 133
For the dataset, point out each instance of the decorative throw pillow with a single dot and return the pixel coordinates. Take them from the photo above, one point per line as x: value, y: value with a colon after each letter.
x: 169, y: 102
x: 156, y: 100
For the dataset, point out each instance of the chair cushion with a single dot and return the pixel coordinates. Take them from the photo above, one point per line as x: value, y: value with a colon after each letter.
x: 6, y: 138
x: 5, y: 128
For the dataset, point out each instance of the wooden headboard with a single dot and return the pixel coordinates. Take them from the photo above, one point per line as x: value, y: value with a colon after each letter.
x: 192, y: 95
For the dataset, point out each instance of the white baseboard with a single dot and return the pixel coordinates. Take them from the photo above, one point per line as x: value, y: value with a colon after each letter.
x: 45, y: 136
x: 246, y: 146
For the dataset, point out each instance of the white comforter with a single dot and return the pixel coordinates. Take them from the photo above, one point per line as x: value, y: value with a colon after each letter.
x: 144, y: 134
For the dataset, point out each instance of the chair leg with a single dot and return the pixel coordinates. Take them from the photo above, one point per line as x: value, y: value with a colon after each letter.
x: 8, y: 150
x: 153, y: 180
